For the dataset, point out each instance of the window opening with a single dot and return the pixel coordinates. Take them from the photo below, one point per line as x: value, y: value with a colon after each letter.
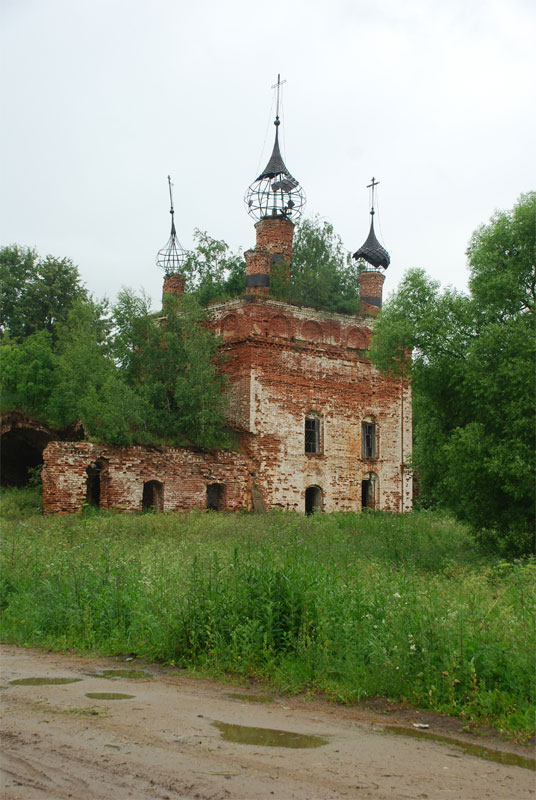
x: 216, y: 496
x: 153, y: 496
x: 93, y: 485
x: 313, y: 500
x: 312, y: 434
x: 368, y: 440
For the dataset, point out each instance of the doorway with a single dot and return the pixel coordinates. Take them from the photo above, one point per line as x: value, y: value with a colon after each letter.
x: 369, y: 487
x: 313, y: 500
x: 93, y: 485
x: 153, y: 496
x: 216, y: 497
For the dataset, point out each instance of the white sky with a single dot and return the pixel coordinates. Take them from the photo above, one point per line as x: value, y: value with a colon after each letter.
x: 103, y: 98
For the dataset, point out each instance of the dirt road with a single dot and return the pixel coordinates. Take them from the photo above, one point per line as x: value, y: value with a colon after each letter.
x: 173, y: 738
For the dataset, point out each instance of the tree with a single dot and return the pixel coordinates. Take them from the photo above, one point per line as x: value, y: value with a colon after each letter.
x: 472, y: 372
x: 212, y: 272
x: 170, y: 362
x: 36, y: 293
x: 28, y: 373
x: 322, y: 274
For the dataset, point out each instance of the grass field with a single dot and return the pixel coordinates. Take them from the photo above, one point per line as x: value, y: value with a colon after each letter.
x: 352, y: 606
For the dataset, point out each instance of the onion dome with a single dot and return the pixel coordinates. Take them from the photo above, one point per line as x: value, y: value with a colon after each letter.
x: 371, y: 251
x: 275, y: 193
x: 172, y: 257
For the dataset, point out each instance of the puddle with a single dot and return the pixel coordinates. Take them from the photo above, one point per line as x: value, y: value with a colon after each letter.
x: 43, y: 681
x: 511, y: 759
x: 267, y: 737
x: 132, y: 674
x: 251, y: 698
x: 109, y: 696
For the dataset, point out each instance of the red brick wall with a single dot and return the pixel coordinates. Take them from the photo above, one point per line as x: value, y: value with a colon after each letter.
x: 284, y: 361
x: 371, y: 289
x: 174, y: 284
x: 184, y: 473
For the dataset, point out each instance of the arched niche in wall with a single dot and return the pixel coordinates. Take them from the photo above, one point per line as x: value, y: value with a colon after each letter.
x: 332, y: 332
x: 279, y: 326
x: 311, y: 331
x: 229, y: 326
x: 357, y: 338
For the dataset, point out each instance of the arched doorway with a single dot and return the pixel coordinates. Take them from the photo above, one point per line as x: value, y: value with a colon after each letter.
x: 313, y: 499
x: 96, y: 484
x: 370, y: 491
x: 216, y: 496
x: 21, y: 453
x: 153, y: 496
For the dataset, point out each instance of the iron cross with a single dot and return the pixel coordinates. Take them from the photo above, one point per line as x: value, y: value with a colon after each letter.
x: 371, y: 185
x: 278, y: 86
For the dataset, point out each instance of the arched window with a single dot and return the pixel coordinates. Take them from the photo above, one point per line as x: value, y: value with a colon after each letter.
x: 369, y: 438
x: 153, y: 496
x: 313, y: 433
x: 216, y: 496
x: 370, y: 491
x: 314, y: 498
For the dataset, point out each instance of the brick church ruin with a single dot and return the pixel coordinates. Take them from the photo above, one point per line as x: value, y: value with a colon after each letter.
x: 320, y: 429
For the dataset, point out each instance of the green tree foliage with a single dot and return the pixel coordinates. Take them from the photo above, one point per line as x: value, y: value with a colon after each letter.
x: 35, y: 293
x: 322, y: 273
x: 28, y: 372
x: 171, y: 363
x: 473, y: 380
x: 212, y: 272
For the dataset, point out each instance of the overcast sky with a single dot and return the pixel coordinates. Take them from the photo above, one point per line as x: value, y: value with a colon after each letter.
x: 102, y: 99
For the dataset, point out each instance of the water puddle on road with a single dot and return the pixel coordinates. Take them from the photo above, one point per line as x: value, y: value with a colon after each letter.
x: 43, y: 681
x: 131, y: 674
x: 267, y: 737
x: 251, y: 698
x: 109, y: 696
x: 501, y: 757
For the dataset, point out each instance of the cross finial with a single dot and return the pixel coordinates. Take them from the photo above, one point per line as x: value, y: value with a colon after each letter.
x: 372, y: 185
x: 278, y: 86
x: 171, y: 210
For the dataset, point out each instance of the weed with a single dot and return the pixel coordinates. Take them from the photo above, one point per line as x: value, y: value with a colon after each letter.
x: 352, y: 606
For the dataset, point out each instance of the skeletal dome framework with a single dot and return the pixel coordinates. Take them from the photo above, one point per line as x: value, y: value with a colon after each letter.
x: 172, y: 257
x: 275, y: 193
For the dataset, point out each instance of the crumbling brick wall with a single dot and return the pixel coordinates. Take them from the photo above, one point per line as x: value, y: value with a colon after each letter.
x: 184, y: 474
x: 285, y: 362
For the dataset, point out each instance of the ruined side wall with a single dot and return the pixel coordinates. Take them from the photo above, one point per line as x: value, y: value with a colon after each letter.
x: 184, y: 474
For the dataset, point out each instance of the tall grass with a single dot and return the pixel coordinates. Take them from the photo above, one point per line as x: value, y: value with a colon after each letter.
x: 349, y: 605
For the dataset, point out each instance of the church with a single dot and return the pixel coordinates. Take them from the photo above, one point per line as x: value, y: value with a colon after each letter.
x: 319, y: 428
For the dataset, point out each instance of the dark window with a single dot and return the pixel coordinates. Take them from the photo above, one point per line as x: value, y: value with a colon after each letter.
x: 368, y: 440
x: 216, y: 496
x: 312, y: 435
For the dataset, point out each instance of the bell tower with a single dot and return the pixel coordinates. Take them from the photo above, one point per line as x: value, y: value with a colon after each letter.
x: 275, y: 199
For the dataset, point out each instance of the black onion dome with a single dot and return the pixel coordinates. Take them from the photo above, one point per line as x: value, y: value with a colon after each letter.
x: 372, y: 251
